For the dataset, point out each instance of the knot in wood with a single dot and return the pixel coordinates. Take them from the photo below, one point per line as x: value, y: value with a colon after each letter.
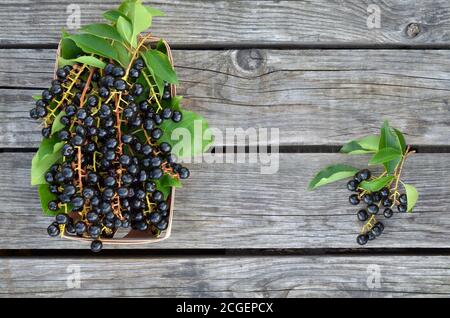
x: 412, y: 30
x: 250, y: 60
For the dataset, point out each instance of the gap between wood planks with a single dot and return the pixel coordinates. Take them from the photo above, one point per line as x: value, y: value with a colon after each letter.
x: 281, y: 150
x: 177, y: 253
x: 219, y: 46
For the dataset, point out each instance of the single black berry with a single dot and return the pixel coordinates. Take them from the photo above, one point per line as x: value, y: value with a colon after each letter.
x: 362, y: 215
x: 96, y: 246
x: 362, y: 239
x: 388, y: 213
x: 354, y: 199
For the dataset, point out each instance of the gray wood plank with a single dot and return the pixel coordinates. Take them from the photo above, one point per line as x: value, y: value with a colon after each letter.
x: 245, y: 22
x: 287, y: 276
x: 234, y: 206
x: 294, y: 90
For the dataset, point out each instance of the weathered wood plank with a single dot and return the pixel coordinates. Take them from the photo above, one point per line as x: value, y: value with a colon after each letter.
x: 234, y: 206
x: 245, y: 22
x: 288, y: 276
x: 292, y: 90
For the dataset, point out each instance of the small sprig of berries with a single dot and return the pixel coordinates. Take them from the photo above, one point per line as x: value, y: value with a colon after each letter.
x: 386, y: 200
x: 377, y: 193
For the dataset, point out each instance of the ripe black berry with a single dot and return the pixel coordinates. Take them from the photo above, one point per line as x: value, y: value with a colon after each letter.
x: 373, y: 209
x: 53, y: 230
x: 120, y: 85
x: 403, y: 199
x: 118, y: 71
x: 402, y: 208
x: 53, y: 206
x: 362, y: 239
x: 378, y: 229
x: 354, y: 199
x: 368, y: 199
x: 96, y: 246
x: 184, y: 174
x: 62, y: 218
x: 384, y: 192
x: 388, y: 213
x: 80, y: 228
x: 352, y: 185
x: 362, y: 215
x: 363, y: 175
x: 177, y: 116
x: 157, y: 133
x: 162, y: 225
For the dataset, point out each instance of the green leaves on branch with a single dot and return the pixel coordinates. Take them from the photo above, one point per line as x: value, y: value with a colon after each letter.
x: 389, y: 150
x: 331, y: 174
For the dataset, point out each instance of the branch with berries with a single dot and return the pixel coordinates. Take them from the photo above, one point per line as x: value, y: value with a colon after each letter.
x: 107, y: 161
x: 383, y: 192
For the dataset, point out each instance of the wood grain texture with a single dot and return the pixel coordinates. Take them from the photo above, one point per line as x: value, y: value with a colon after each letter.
x: 235, y: 206
x: 322, y: 97
x: 240, y: 22
x: 288, y: 276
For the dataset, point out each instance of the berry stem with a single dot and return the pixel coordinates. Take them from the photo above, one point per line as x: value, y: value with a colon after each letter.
x: 399, y: 170
x: 154, y: 95
x: 83, y: 96
x: 135, y: 54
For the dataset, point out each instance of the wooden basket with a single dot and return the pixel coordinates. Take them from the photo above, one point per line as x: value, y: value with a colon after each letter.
x: 133, y: 236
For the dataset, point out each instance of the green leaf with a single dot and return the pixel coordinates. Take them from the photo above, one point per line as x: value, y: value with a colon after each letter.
x: 389, y: 139
x: 140, y: 18
x: 124, y: 57
x: 385, y: 155
x: 46, y: 196
x: 48, y: 154
x: 154, y: 12
x: 114, y: 15
x: 40, y: 167
x: 36, y: 97
x: 331, y: 174
x: 57, y: 125
x: 159, y: 63
x: 88, y: 60
x: 69, y: 50
x: 93, y: 44
x: 174, y: 103
x: 102, y: 30
x: 368, y: 144
x: 401, y: 139
x: 166, y: 183
x: 186, y: 137
x: 412, y: 196
x: 126, y: 32
x: 377, y: 184
x: 161, y: 46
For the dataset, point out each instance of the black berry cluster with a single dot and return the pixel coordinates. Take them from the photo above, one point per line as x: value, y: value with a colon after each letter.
x: 374, y: 202
x: 112, y: 158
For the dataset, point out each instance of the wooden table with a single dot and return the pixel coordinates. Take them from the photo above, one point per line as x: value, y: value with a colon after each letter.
x: 314, y: 70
